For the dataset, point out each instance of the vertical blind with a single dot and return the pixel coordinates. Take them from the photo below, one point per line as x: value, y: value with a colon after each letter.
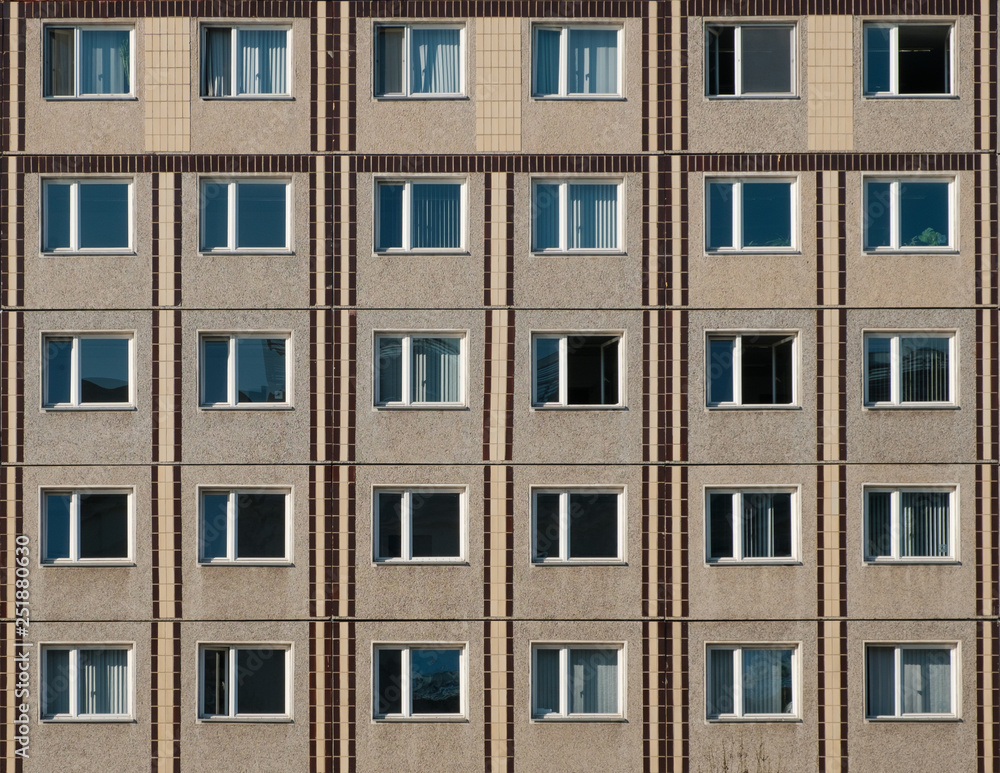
x: 593, y: 687
x: 546, y: 678
x: 924, y: 364
x: 593, y: 61
x: 926, y: 677
x: 923, y: 523
x: 436, y: 215
x: 435, y: 369
x: 767, y: 681
x: 720, y: 680
x: 262, y: 59
x: 593, y: 216
x: 103, y: 682
x: 435, y: 61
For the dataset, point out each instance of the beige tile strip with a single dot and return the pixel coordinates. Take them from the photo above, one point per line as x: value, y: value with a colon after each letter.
x: 830, y: 82
x: 14, y: 136
x: 346, y: 74
x: 168, y: 84
x: 498, y: 85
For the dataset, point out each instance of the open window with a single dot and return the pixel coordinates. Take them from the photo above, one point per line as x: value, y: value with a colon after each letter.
x: 909, y: 60
x: 577, y: 370
x: 248, y: 682
x: 751, y: 369
x: 750, y: 60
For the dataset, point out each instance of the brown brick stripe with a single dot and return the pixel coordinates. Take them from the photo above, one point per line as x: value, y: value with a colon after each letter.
x: 742, y: 8
x: 114, y: 9
x: 457, y: 9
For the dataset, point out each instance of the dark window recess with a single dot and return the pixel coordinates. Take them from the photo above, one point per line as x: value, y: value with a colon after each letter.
x: 924, y: 60
x: 592, y: 370
x: 767, y: 370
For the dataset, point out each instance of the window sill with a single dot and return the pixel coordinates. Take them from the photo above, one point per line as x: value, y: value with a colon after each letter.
x: 249, y: 98
x: 422, y: 407
x: 578, y: 253
x: 420, y: 562
x: 89, y: 720
x: 913, y: 407
x: 579, y: 98
x: 911, y: 251
x: 421, y: 97
x: 249, y: 252
x: 278, y: 563
x: 270, y: 720
x: 744, y: 251
x: 585, y: 562
x: 912, y: 562
x: 248, y: 407
x: 610, y: 718
x: 751, y: 97
x: 85, y: 564
x: 111, y: 253
x: 445, y: 252
x: 611, y: 408
x: 753, y: 407
x: 914, y: 718
x: 878, y: 97
x: 95, y: 98
x: 79, y: 408
x: 755, y: 719
x: 758, y: 562
x: 421, y: 720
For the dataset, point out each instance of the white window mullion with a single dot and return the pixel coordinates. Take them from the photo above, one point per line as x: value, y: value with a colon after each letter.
x: 74, y: 526
x: 406, y: 394
x: 231, y: 208
x: 564, y: 526
x: 738, y: 370
x: 74, y: 372
x: 565, y: 683
x: 405, y: 59
x: 897, y: 664
x: 738, y: 60
x: 74, y: 217
x: 231, y: 525
x: 231, y: 681
x: 563, y: 62
x: 738, y: 215
x: 74, y: 682
x: 895, y: 371
x: 737, y: 531
x: 231, y: 391
x: 894, y: 238
x: 404, y: 678
x: 894, y: 58
x: 563, y: 369
x: 738, y: 681
x: 895, y: 534
x: 406, y: 549
x: 77, y: 53
x: 405, y: 219
x: 563, y: 191
x: 234, y: 77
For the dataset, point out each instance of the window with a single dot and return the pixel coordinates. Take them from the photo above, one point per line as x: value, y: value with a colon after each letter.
x: 751, y: 682
x: 751, y: 369
x: 418, y: 525
x: 244, y: 682
x: 908, y: 60
x: 580, y: 525
x: 913, y: 214
x: 750, y: 525
x: 750, y: 215
x: 419, y: 61
x: 425, y: 370
x: 86, y: 682
x: 245, y: 370
x: 577, y: 370
x: 244, y: 526
x: 905, y: 681
x: 750, y: 60
x: 419, y: 681
x: 911, y: 369
x: 86, y: 215
x: 88, y: 62
x: 905, y: 524
x: 245, y: 62
x: 90, y: 526
x: 576, y: 215
x: 87, y: 370
x: 577, y: 62
x: 419, y: 215
x: 245, y: 216
x: 577, y: 681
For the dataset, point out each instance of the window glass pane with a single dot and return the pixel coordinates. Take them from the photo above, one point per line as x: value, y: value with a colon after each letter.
x: 57, y: 216
x: 546, y: 63
x: 217, y: 62
x: 879, y: 524
x: 923, y: 524
x: 58, y: 370
x: 435, y: 372
x: 260, y: 526
x: 756, y: 525
x: 215, y: 216
x: 719, y: 232
x: 103, y: 525
x: 389, y: 60
x: 104, y: 216
x: 104, y: 370
x: 390, y: 529
x: 767, y: 370
x: 721, y: 66
x: 435, y: 681
x: 877, y: 354
x: 390, y: 370
x: 56, y: 695
x: 720, y: 370
x: 593, y: 681
x: 546, y: 681
x: 924, y: 363
x: 547, y: 526
x: 104, y: 61
x: 591, y: 379
x: 781, y: 519
x: 57, y: 515
x: 260, y: 371
x: 593, y: 525
x: 923, y: 214
x: 878, y: 217
x: 546, y: 370
x: 611, y: 393
x: 389, y: 699
x: 435, y: 524
x: 767, y: 60
x: 215, y: 371
x: 435, y: 61
x: 720, y: 513
x: 260, y: 681
x: 214, y: 525
x: 546, y: 216
x: 593, y: 61
x: 593, y: 217
x: 926, y: 678
x: 435, y: 216
x: 215, y: 691
x: 59, y: 72
x: 767, y: 681
x: 767, y: 214
x: 260, y: 215
x: 924, y: 59
x: 877, y: 55
x: 881, y: 681
x: 262, y: 61
x: 390, y: 216
x: 102, y: 682
x: 720, y: 681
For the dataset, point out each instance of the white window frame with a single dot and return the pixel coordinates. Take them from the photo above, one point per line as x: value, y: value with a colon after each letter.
x: 563, y: 338
x: 77, y: 28
x: 74, y: 649
x: 896, y: 505
x: 408, y: 93
x: 74, y: 525
x: 739, y: 715
x: 737, y: 214
x: 231, y: 380
x: 565, y: 526
x: 74, y: 184
x: 893, y: 28
x: 406, y: 524
x: 406, y: 367
x: 737, y: 493
x: 230, y: 184
x: 286, y: 648
x: 564, y: 183
x: 234, y: 63
x: 75, y: 403
x: 737, y: 337
x: 894, y: 213
x: 895, y: 368
x: 564, y: 92
x: 232, y: 521
x: 406, y: 648
x: 408, y: 183
x: 564, y: 714
x: 738, y: 60
x: 955, y: 648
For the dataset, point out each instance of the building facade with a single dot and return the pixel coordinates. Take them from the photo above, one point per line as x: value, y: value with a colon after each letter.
x: 455, y: 386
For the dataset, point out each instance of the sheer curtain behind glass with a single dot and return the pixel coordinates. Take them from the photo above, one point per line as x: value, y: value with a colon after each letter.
x: 262, y: 58
x: 103, y: 682
x: 435, y: 369
x: 593, y: 61
x: 434, y: 61
x: 436, y: 216
x: 593, y: 687
x: 104, y: 62
x: 926, y: 681
x: 218, y: 62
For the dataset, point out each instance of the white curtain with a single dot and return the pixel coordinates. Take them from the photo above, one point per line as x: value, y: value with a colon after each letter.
x: 218, y: 63
x: 925, y: 369
x: 546, y: 678
x: 720, y: 682
x: 593, y: 61
x: 434, y: 61
x: 923, y: 523
x: 104, y: 62
x: 262, y: 59
x: 435, y: 370
x: 593, y: 687
x: 547, y: 62
x: 593, y: 216
x: 765, y: 673
x: 103, y: 682
x: 436, y: 215
x: 926, y: 681
x: 881, y: 679
x: 879, y: 524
